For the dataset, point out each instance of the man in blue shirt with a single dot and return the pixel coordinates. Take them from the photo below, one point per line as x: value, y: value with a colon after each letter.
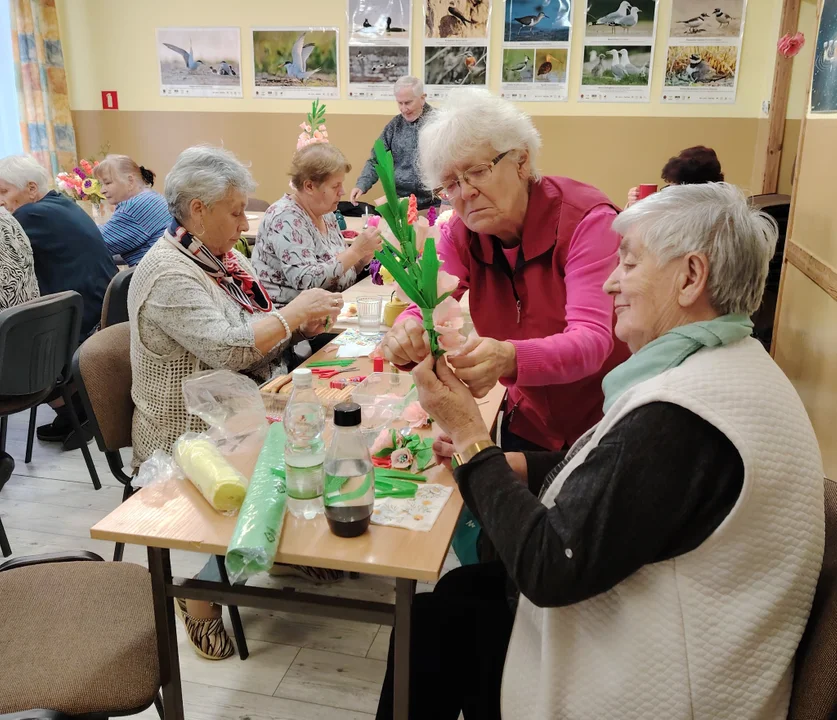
x: 67, y: 246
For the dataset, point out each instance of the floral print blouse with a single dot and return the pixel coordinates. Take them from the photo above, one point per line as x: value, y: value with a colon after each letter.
x: 291, y: 254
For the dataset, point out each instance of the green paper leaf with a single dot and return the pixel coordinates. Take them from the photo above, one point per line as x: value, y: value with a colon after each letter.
x: 430, y: 272
x: 423, y: 458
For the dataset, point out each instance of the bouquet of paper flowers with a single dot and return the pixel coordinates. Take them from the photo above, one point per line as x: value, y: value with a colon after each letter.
x: 80, y: 183
x: 416, y: 272
x: 313, y: 129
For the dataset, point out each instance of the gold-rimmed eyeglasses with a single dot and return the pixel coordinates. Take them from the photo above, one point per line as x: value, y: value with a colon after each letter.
x: 474, y: 176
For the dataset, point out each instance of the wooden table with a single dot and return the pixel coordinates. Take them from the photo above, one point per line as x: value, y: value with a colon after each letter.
x: 172, y: 515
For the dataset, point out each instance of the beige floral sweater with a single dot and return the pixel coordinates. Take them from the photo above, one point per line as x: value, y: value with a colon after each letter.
x: 181, y: 323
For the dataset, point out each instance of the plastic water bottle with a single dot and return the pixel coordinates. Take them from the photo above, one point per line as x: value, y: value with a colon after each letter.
x: 349, y: 475
x: 304, y: 421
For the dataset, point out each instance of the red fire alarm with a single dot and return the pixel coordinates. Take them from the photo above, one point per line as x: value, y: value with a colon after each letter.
x: 110, y: 101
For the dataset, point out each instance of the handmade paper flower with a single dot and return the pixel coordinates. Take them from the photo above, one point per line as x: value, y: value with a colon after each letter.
x: 318, y: 135
x: 412, y: 210
x: 446, y: 282
x: 447, y: 317
x: 88, y: 168
x: 401, y: 459
x: 431, y: 216
x: 386, y: 276
x: 446, y: 216
x: 375, y: 272
x: 374, y: 221
x: 451, y: 341
x: 415, y: 415
x: 790, y: 45
x: 383, y: 441
x: 322, y: 128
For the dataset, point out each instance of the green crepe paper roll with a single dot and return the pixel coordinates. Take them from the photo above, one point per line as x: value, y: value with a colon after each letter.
x: 219, y: 482
x: 256, y: 535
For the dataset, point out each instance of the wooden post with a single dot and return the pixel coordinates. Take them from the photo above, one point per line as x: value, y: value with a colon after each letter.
x: 779, y: 101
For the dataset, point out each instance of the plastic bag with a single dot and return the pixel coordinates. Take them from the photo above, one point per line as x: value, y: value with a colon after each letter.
x: 221, y: 484
x: 256, y: 535
x: 232, y: 406
x: 158, y: 468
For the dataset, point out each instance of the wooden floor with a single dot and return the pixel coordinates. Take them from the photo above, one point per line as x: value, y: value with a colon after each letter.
x: 300, y: 667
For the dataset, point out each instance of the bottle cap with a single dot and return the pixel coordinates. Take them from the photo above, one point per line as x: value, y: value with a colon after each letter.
x: 302, y: 377
x: 347, y: 415
x: 377, y: 364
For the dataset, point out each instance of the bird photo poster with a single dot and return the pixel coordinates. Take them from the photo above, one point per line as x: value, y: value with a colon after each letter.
x: 824, y: 84
x: 379, y: 47
x: 536, y: 49
x: 295, y: 63
x: 704, y: 49
x: 618, y: 51
x: 199, y: 62
x: 456, y: 36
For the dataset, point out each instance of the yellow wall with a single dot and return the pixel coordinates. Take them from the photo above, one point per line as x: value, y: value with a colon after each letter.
x: 111, y: 46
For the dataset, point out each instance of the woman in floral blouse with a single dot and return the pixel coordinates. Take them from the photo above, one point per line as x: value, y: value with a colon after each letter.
x: 299, y: 245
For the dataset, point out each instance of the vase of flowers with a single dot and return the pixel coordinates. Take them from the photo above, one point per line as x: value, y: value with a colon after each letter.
x: 80, y: 185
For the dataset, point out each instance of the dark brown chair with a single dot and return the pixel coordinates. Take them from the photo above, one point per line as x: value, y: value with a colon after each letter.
x: 257, y: 205
x: 79, y: 638
x: 102, y: 372
x: 814, y: 695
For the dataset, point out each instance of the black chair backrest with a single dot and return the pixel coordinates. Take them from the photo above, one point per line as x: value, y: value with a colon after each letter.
x: 257, y: 204
x: 37, y: 342
x: 115, y: 304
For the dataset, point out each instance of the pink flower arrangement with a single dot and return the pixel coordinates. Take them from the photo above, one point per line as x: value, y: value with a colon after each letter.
x: 790, y: 45
x: 80, y: 183
x: 314, y: 129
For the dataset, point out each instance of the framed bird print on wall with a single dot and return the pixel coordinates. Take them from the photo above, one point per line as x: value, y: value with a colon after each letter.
x: 199, y: 62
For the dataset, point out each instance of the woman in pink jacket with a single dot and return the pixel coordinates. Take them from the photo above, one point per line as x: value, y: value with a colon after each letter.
x: 534, y: 252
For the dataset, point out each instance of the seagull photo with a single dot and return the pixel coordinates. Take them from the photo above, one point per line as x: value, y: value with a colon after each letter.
x: 536, y: 21
x: 605, y: 65
x: 295, y: 58
x: 706, y: 18
x: 207, y: 60
x: 456, y: 19
x: 615, y: 19
x: 370, y: 20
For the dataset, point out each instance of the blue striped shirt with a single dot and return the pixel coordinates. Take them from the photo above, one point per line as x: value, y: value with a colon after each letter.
x: 137, y: 223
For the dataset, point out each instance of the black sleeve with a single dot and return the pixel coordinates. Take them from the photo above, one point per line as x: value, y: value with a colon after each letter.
x: 657, y: 485
x: 538, y: 466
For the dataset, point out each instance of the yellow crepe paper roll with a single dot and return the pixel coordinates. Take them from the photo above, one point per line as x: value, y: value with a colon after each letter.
x: 219, y: 482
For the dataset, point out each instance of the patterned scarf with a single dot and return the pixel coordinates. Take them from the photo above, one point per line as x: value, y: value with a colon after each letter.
x: 233, y: 279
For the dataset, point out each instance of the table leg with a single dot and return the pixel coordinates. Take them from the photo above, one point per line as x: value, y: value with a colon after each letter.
x: 159, y: 564
x: 404, y: 592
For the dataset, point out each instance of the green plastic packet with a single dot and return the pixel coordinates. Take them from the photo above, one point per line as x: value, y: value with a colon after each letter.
x: 256, y: 535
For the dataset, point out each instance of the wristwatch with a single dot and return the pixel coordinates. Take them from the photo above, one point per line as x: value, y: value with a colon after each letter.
x: 470, y: 452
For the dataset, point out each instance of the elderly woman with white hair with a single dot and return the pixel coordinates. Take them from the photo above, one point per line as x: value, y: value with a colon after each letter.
x: 195, y: 304
x: 666, y: 567
x: 400, y: 136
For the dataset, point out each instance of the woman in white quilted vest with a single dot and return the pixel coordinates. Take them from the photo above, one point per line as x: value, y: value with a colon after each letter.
x: 194, y: 304
x: 665, y: 568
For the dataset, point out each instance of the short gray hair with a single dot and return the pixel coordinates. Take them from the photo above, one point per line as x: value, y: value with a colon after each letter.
x: 205, y: 173
x: 717, y: 220
x: 20, y: 170
x: 409, y: 82
x: 471, y: 121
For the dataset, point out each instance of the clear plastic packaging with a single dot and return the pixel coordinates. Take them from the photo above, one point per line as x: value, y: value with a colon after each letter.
x: 382, y: 397
x: 210, y: 472
x: 256, y: 536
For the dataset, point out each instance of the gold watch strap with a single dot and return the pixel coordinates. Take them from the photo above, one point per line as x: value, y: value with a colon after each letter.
x: 470, y: 452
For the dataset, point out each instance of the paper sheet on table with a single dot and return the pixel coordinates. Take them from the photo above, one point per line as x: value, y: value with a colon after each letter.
x: 355, y: 350
x: 417, y: 513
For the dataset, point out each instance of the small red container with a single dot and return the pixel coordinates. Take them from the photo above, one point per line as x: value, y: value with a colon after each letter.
x: 377, y: 364
x: 646, y: 189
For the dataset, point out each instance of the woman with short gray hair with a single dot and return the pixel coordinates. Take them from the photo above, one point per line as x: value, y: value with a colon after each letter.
x: 195, y: 304
x: 666, y: 566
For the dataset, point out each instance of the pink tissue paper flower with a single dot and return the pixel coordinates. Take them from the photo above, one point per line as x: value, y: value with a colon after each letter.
x: 415, y: 415
x: 446, y: 282
x: 374, y: 220
x: 451, y: 341
x: 447, y: 317
x: 401, y: 459
x: 384, y: 440
x: 790, y: 45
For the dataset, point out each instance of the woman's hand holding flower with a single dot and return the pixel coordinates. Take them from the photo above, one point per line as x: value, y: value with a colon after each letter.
x: 481, y: 362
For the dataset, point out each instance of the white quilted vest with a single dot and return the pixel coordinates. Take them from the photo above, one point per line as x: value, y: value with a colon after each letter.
x: 710, y: 634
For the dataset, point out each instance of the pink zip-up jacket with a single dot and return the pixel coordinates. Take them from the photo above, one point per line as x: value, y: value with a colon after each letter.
x: 550, y: 306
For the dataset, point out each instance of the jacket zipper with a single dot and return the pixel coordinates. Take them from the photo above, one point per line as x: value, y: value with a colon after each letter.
x: 507, y: 269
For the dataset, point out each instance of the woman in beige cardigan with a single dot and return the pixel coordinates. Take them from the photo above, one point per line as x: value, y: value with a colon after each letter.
x: 195, y: 304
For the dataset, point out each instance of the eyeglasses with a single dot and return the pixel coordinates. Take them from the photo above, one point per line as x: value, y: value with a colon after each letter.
x: 475, y: 176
